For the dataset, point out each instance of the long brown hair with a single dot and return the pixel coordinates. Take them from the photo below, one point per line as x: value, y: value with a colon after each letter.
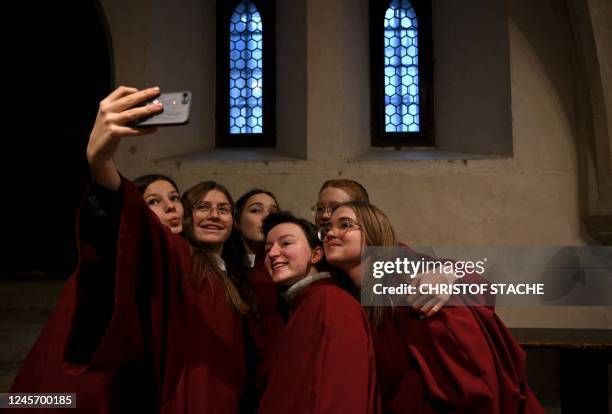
x: 204, y: 265
x: 378, y: 231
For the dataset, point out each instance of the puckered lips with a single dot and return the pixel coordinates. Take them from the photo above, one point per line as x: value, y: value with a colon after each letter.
x: 174, y: 221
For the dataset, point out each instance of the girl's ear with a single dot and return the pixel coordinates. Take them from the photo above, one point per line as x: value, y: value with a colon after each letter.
x: 316, y: 255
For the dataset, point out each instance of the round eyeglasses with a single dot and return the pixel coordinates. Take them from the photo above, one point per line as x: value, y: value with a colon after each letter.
x: 342, y: 227
x: 204, y: 209
x: 319, y: 209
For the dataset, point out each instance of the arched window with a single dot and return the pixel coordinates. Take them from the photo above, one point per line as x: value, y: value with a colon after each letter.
x: 245, y: 87
x: 401, y: 64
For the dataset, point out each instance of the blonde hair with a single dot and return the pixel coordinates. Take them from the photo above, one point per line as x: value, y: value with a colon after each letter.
x: 378, y: 231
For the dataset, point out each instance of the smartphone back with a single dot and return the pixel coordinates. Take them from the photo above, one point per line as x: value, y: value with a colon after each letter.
x: 176, y: 110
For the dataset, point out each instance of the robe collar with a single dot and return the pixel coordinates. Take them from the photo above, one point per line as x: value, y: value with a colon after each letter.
x: 219, y: 261
x: 249, y: 260
x: 300, y: 285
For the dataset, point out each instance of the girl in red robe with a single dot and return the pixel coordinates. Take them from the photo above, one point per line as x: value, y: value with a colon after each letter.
x: 42, y: 371
x: 461, y: 360
x: 154, y: 312
x: 323, y: 361
x: 340, y: 190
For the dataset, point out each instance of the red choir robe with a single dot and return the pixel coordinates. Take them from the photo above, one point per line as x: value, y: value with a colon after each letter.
x: 270, y: 323
x: 266, y: 296
x: 323, y: 361
x: 167, y: 346
x: 42, y: 369
x: 462, y: 360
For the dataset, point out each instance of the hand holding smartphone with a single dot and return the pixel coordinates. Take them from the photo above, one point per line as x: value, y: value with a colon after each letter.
x: 176, y: 110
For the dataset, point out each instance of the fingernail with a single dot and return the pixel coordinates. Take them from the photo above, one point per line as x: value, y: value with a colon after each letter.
x: 156, y: 88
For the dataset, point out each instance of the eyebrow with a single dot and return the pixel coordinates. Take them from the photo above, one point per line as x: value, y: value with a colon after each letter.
x: 346, y: 218
x: 259, y: 203
x: 224, y: 203
x: 341, y: 219
x: 158, y: 194
x: 284, y: 236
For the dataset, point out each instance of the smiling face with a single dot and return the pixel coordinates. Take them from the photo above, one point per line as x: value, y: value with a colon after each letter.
x: 212, y: 227
x: 163, y: 198
x: 329, y: 198
x: 289, y: 257
x: 343, y: 249
x: 257, y: 207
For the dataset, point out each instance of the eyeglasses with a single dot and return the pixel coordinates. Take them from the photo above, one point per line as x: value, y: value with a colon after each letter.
x: 342, y: 227
x: 204, y: 209
x: 320, y: 209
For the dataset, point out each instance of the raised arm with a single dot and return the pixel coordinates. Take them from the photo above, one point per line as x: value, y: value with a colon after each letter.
x: 115, y: 114
x: 117, y: 233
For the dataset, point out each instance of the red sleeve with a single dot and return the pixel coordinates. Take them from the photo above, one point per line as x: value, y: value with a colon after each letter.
x: 122, y: 287
x: 482, y: 363
x: 41, y: 371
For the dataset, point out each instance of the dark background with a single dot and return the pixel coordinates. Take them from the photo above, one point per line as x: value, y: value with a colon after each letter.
x: 57, y: 66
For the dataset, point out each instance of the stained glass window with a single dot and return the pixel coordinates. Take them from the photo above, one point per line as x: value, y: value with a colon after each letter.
x: 401, y: 67
x: 401, y: 82
x: 246, y: 70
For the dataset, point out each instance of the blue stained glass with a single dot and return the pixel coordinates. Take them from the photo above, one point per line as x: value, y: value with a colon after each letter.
x: 401, y: 68
x: 246, y: 70
x: 389, y: 90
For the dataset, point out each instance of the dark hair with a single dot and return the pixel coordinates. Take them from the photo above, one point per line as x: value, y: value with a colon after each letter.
x: 281, y: 217
x: 203, y: 264
x: 356, y: 191
x: 236, y: 249
x: 241, y: 202
x: 143, y: 182
x: 235, y: 256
